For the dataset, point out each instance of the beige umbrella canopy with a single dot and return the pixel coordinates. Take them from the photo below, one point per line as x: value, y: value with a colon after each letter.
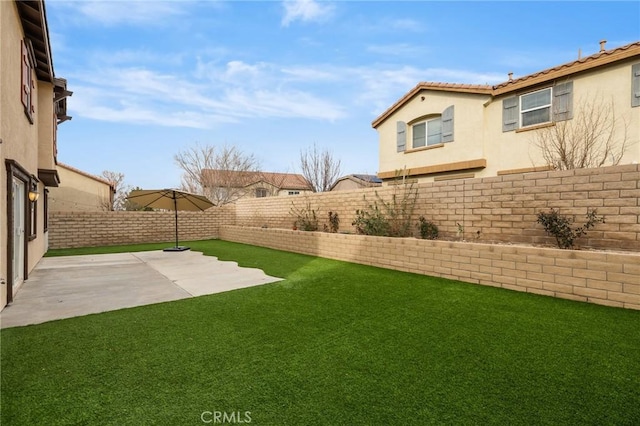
x: 170, y: 199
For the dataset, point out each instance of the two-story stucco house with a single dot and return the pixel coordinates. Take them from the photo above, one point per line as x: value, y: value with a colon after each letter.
x: 32, y: 105
x: 441, y: 131
x: 224, y: 186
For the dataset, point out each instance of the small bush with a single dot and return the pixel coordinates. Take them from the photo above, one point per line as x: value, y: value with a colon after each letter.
x: 428, y: 230
x: 306, y: 218
x: 334, y: 222
x: 390, y: 218
x: 560, y: 226
x: 371, y: 222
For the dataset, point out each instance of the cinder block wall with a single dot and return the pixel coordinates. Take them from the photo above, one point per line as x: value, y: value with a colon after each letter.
x: 494, y: 209
x: 90, y: 229
x: 607, y: 278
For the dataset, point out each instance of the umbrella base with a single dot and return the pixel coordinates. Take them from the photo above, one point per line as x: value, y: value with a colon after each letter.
x: 176, y: 248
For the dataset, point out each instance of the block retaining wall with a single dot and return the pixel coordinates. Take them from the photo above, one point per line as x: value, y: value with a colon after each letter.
x: 493, y: 209
x: 91, y: 229
x: 606, y: 278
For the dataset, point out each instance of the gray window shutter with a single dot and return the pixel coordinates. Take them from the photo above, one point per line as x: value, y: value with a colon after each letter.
x: 563, y: 101
x: 401, y: 136
x: 635, y: 85
x: 447, y: 124
x: 510, y: 114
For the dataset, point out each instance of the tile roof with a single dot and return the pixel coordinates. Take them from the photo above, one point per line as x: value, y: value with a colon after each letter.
x: 588, y: 62
x: 279, y: 180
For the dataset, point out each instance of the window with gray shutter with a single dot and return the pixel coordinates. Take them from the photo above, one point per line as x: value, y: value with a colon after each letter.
x: 563, y: 101
x: 447, y: 124
x: 510, y: 114
x: 419, y: 135
x: 635, y: 85
x: 401, y: 136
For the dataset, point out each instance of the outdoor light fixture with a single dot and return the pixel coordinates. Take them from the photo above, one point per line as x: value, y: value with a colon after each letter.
x: 33, y: 195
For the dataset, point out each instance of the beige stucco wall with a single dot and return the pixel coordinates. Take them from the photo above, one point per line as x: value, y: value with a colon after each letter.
x: 46, y: 156
x: 478, y: 125
x: 467, y: 142
x: 20, y: 138
x: 272, y: 190
x: 349, y: 185
x: 516, y: 149
x: 78, y: 192
x: 345, y: 185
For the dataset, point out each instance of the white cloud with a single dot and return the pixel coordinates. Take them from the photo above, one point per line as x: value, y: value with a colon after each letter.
x: 234, y: 90
x: 406, y: 24
x: 384, y: 85
x: 232, y: 93
x: 305, y: 11
x: 128, y: 12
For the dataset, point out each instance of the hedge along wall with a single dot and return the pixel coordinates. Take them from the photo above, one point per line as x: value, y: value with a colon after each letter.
x: 90, y: 229
x: 600, y: 277
x: 493, y: 209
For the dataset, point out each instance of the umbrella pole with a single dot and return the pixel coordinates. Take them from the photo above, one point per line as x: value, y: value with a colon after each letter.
x: 175, y: 207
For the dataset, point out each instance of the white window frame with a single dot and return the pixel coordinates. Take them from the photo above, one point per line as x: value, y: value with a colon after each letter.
x: 426, y: 132
x: 549, y: 105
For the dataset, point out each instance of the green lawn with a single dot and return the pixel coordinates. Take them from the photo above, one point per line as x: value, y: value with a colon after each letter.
x: 333, y: 344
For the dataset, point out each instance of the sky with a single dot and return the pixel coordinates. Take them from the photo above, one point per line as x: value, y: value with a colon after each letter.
x: 151, y: 79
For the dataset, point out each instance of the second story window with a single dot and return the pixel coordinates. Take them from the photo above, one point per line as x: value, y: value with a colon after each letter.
x: 548, y: 105
x: 427, y: 133
x: 535, y: 108
x: 261, y: 192
x: 28, y: 86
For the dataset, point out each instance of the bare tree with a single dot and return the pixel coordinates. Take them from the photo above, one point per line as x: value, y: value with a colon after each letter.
x: 320, y: 168
x: 595, y: 137
x: 121, y: 190
x: 129, y: 205
x: 221, y: 174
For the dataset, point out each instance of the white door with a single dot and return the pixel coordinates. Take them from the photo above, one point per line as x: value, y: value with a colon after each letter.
x: 18, y: 233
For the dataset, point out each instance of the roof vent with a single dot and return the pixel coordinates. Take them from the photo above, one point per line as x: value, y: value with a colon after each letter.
x: 602, y: 43
x: 511, y: 76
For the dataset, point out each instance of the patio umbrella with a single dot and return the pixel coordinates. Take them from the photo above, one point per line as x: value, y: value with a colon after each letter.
x: 170, y: 199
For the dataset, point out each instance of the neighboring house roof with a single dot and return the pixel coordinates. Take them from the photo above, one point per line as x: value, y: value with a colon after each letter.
x: 279, y: 180
x: 601, y: 58
x: 80, y: 172
x: 362, y: 180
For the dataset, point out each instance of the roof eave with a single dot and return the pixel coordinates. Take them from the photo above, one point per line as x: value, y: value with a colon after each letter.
x: 33, y: 17
x: 588, y: 63
x: 456, y: 88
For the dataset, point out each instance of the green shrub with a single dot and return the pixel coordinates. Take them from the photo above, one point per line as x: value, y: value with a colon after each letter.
x: 306, y: 218
x: 560, y: 226
x: 389, y: 218
x: 428, y: 230
x: 371, y: 222
x: 334, y: 222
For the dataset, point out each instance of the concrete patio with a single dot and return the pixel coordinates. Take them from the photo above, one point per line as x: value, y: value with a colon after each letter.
x: 70, y: 286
